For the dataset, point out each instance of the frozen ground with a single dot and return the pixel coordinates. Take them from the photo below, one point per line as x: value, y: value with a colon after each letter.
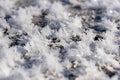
x: 59, y: 39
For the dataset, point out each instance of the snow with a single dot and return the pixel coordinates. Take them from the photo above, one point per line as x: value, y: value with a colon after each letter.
x: 59, y: 40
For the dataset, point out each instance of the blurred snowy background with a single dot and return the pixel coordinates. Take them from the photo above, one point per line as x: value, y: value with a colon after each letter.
x: 59, y: 39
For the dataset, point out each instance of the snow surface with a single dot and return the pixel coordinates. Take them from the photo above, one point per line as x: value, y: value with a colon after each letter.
x: 59, y: 39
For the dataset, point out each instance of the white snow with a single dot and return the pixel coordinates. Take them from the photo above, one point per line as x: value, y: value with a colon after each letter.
x: 59, y: 39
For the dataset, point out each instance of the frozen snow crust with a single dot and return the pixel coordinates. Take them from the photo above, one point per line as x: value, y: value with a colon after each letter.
x: 59, y: 39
